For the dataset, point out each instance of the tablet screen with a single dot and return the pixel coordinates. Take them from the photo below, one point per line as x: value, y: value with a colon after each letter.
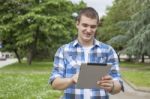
x: 90, y: 73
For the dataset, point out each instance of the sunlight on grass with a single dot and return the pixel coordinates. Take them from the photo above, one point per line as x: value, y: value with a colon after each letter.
x: 138, y: 78
x: 136, y: 73
x: 133, y: 65
x: 19, y: 81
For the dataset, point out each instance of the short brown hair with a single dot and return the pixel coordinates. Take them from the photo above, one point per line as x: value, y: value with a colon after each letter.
x: 88, y: 12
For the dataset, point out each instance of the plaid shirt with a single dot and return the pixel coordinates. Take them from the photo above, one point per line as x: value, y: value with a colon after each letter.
x: 68, y: 59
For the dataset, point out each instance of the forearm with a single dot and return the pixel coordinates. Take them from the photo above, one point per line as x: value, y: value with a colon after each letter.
x: 117, y: 87
x: 61, y: 83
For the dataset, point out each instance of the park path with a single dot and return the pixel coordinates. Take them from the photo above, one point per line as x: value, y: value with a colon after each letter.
x: 130, y: 93
x: 7, y: 62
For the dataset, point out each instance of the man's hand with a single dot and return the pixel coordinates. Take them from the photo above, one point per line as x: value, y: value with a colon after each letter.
x: 106, y: 83
x: 110, y: 85
x: 63, y: 83
x: 74, y: 78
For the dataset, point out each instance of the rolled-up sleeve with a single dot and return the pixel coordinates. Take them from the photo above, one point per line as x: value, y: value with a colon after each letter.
x: 113, y: 60
x: 114, y: 72
x: 58, y: 66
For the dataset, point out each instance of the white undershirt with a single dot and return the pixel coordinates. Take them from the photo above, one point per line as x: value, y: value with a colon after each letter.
x: 86, y: 52
x: 87, y: 93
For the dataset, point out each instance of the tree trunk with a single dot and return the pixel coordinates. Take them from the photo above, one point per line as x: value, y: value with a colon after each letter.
x: 29, y: 56
x: 143, y: 60
x: 32, y: 48
x: 17, y: 55
x: 129, y: 58
x: 118, y: 57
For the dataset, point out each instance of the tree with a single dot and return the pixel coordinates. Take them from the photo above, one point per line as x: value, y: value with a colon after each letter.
x: 111, y: 30
x: 140, y: 30
x: 133, y: 28
x: 119, y: 11
x: 9, y: 9
x: 38, y: 25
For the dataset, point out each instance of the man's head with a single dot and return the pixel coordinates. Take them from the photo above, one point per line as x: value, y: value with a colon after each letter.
x: 87, y: 23
x: 88, y: 12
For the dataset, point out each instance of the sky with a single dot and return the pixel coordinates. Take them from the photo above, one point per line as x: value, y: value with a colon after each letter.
x: 99, y: 5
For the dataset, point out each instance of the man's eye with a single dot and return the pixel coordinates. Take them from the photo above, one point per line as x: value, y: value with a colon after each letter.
x: 93, y: 26
x: 84, y: 25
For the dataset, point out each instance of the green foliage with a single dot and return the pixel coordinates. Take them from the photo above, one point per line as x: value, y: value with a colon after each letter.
x: 118, y: 12
x: 37, y: 25
x: 118, y: 42
x: 126, y: 27
x: 139, y: 31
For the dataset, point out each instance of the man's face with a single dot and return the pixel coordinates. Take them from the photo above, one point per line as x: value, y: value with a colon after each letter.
x: 86, y: 28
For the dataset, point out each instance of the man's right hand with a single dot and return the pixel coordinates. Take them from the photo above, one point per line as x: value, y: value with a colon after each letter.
x: 63, y: 83
x: 74, y: 78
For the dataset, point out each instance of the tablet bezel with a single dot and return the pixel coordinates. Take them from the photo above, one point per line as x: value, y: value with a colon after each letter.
x: 90, y: 73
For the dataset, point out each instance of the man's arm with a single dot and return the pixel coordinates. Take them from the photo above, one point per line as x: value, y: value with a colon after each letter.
x: 112, y: 81
x: 110, y: 85
x: 63, y: 83
x: 116, y: 88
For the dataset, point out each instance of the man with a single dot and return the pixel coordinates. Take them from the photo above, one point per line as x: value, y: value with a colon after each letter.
x: 85, y: 48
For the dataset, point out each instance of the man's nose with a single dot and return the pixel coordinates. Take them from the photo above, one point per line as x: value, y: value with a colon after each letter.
x: 88, y: 29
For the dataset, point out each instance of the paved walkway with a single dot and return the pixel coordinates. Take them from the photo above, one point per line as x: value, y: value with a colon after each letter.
x: 130, y: 93
x: 7, y: 62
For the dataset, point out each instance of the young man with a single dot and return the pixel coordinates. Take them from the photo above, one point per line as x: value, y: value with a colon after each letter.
x: 85, y: 48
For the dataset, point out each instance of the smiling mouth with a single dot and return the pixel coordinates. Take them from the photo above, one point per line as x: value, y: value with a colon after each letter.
x: 87, y: 34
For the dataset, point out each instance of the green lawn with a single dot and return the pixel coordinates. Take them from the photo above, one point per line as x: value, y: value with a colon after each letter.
x: 136, y: 73
x: 20, y: 81
x: 134, y: 65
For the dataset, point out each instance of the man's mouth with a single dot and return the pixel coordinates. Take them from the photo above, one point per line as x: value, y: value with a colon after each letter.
x: 87, y: 34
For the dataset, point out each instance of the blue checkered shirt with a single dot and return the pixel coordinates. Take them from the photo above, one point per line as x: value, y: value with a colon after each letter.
x: 68, y: 59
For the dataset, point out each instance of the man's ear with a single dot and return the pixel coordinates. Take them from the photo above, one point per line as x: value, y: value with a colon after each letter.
x: 77, y: 23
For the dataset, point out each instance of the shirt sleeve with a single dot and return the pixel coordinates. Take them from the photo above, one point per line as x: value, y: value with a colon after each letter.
x: 58, y: 66
x: 113, y: 60
x: 114, y: 72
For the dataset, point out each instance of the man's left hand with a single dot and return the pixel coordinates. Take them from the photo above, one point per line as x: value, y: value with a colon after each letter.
x: 106, y: 83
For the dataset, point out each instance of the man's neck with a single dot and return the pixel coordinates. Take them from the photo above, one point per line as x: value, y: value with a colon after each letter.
x: 86, y: 43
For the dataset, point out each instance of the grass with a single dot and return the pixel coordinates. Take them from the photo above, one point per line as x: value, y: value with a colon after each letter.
x: 20, y: 81
x: 140, y: 78
x: 137, y: 73
x: 134, y: 65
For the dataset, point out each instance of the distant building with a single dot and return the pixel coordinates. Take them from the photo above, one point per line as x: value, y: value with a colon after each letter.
x: 5, y: 55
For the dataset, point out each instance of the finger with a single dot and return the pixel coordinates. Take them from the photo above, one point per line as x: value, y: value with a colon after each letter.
x: 104, y: 81
x: 106, y: 84
x: 75, y: 80
x: 108, y: 89
x: 107, y: 77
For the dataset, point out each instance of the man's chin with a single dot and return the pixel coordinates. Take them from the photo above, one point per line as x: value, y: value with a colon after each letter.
x: 87, y: 38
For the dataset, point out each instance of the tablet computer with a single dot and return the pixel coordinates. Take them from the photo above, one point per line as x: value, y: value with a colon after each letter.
x: 90, y: 73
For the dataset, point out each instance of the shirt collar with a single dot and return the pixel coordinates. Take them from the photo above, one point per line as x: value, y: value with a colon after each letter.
x: 95, y: 43
x: 75, y: 43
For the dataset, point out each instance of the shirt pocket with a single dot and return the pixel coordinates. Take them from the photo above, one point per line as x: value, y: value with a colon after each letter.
x: 101, y: 59
x: 72, y: 65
